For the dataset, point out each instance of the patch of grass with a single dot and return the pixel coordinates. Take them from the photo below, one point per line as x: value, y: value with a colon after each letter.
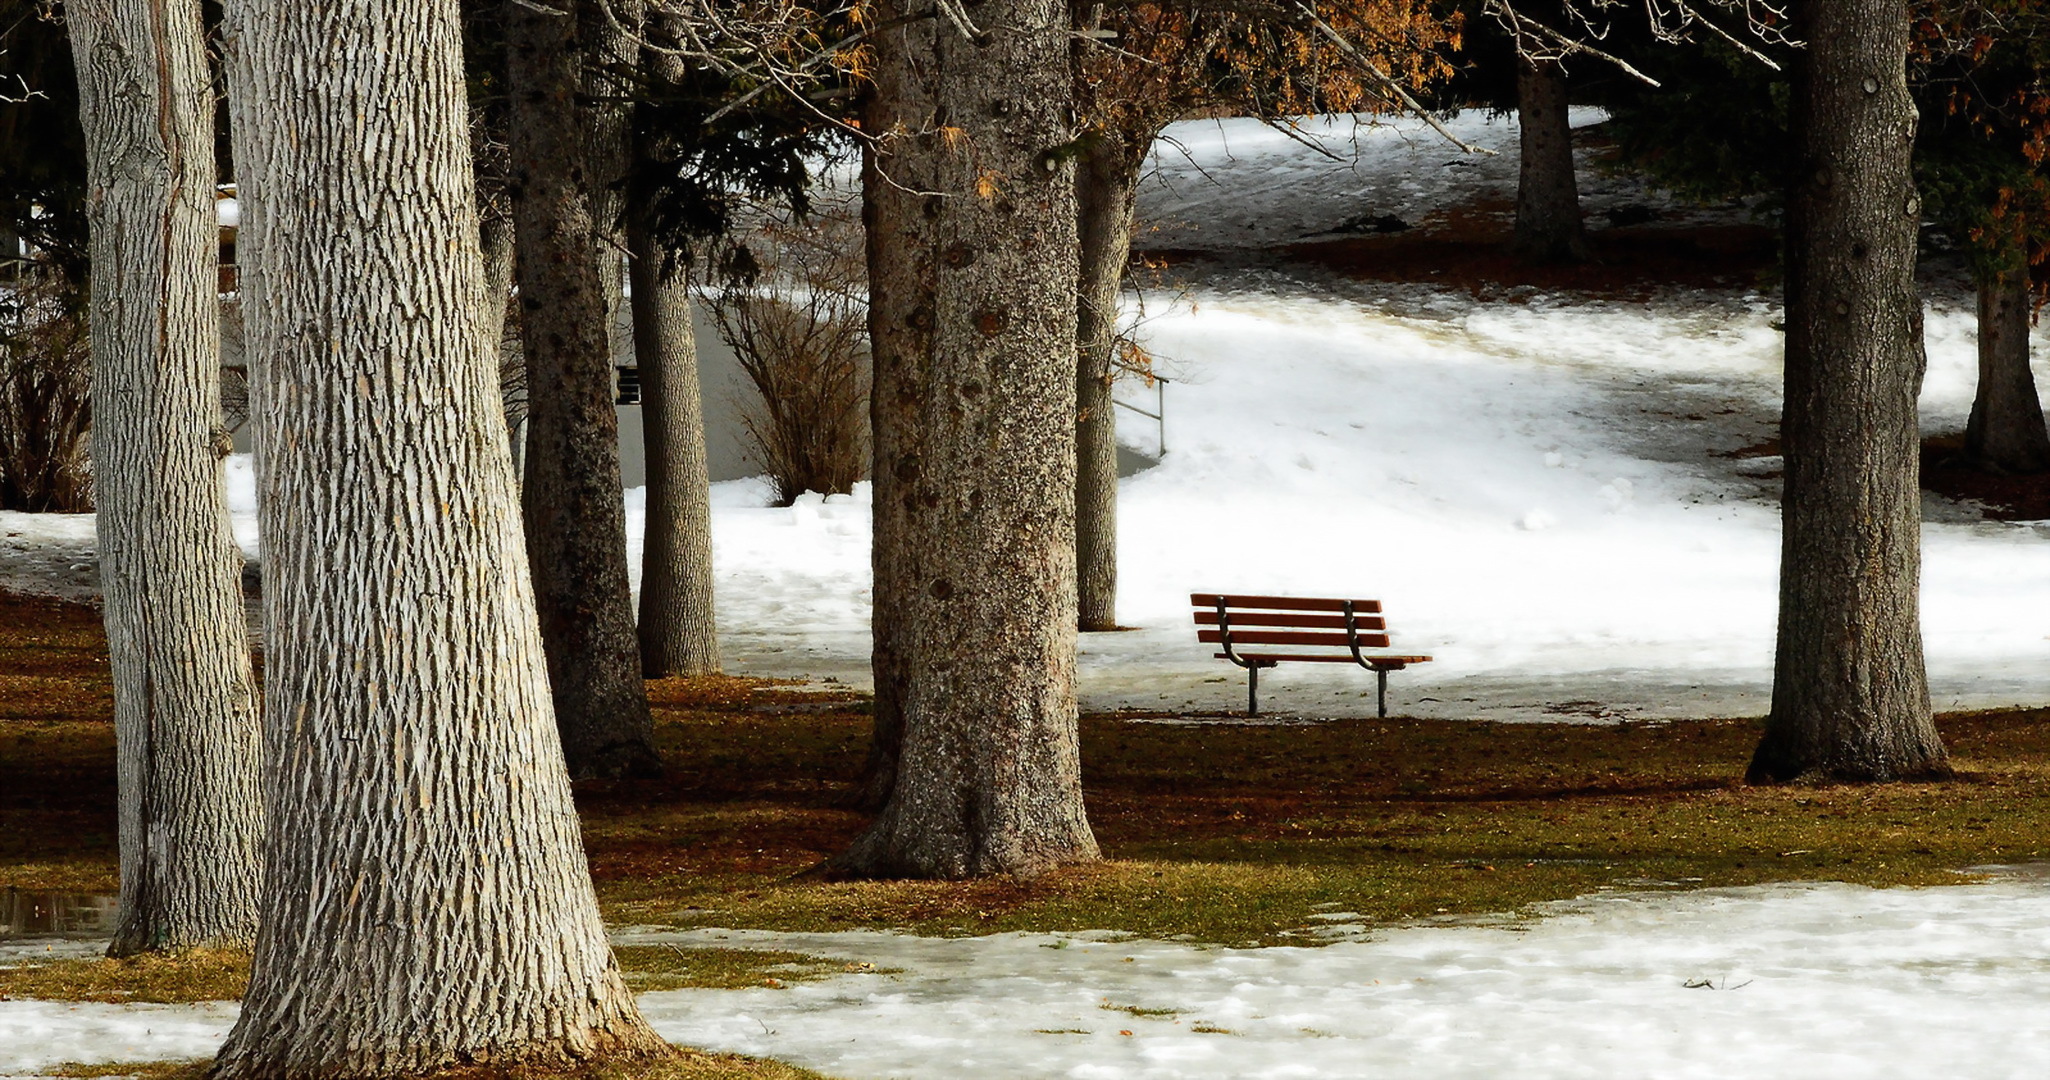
x: 686, y: 1065
x: 141, y: 1070
x: 223, y: 975
x: 1139, y: 1010
x: 57, y: 826
x: 160, y: 978
x: 1234, y: 835
x: 675, y: 967
x: 1240, y: 835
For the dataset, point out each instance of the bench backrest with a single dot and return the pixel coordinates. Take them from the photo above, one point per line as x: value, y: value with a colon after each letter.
x: 1289, y: 620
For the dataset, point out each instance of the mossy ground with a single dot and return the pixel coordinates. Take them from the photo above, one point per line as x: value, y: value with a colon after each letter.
x: 687, y: 1065
x: 1224, y: 833
x: 223, y: 975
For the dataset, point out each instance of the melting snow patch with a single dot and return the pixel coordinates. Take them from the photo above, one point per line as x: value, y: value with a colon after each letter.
x: 1790, y: 980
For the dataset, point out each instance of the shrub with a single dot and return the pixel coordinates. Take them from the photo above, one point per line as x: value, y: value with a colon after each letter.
x: 790, y: 299
x: 45, y: 391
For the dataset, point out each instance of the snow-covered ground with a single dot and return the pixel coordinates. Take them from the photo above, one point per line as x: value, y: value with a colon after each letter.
x: 1777, y: 981
x: 1541, y: 493
x: 1539, y: 489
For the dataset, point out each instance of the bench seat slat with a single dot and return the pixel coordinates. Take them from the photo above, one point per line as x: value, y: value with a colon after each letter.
x: 1331, y: 658
x: 1284, y: 603
x: 1277, y: 618
x: 1336, y: 640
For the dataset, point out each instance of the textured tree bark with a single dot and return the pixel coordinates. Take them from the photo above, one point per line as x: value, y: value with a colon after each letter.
x: 1106, y: 189
x: 495, y: 236
x: 426, y: 902
x: 1850, y: 698
x: 495, y: 239
x: 576, y: 520
x: 678, y: 633
x: 2006, y: 432
x: 1548, y: 225
x: 186, y: 732
x: 611, y: 48
x: 972, y: 308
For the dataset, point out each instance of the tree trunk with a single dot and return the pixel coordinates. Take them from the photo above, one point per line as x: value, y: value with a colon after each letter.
x: 610, y: 49
x: 1106, y: 189
x: 1548, y: 226
x: 427, y: 902
x: 188, y: 745
x: 2006, y: 434
x: 972, y: 309
x: 679, y: 635
x: 677, y: 630
x: 576, y: 520
x: 496, y: 238
x: 1850, y: 698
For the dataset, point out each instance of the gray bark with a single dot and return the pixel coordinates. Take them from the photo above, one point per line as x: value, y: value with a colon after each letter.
x: 679, y: 635
x: 1850, y: 696
x: 188, y: 744
x: 1548, y: 224
x: 677, y: 631
x: 2006, y: 433
x: 607, y: 53
x: 972, y: 323
x: 1106, y: 188
x: 576, y: 520
x: 426, y: 902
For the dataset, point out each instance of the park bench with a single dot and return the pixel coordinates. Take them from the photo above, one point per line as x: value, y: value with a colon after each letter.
x: 1324, y: 630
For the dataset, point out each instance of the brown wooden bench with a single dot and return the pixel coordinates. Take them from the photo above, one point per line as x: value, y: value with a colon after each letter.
x: 1344, y: 629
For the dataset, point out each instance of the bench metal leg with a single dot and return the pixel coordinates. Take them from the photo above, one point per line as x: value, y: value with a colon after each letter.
x: 1252, y: 690
x: 1381, y: 691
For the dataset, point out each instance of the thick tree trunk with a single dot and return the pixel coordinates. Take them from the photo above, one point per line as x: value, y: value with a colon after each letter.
x: 1850, y: 698
x: 188, y: 745
x: 677, y: 630
x: 1106, y: 191
x: 1548, y: 226
x: 576, y: 520
x: 2006, y: 432
x: 972, y: 308
x: 427, y: 902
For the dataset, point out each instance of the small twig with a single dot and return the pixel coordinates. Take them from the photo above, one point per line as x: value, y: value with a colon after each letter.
x: 1681, y: 6
x: 1518, y: 21
x: 1388, y: 83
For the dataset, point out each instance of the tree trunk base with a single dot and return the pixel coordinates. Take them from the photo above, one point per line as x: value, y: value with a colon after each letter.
x: 595, y: 1055
x: 887, y: 854
x: 631, y: 760
x: 1773, y: 765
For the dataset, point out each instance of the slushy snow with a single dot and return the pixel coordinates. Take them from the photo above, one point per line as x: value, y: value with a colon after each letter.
x: 1771, y: 981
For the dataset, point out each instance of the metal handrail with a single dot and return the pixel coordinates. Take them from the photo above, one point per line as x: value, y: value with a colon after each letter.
x: 1160, y: 406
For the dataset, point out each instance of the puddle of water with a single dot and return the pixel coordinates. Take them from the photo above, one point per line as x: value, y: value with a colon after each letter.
x: 37, y: 914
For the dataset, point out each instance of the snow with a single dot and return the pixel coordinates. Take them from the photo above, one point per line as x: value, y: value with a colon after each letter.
x: 40, y: 1034
x: 1238, y: 185
x: 1786, y: 980
x: 1539, y: 487
x: 1539, y: 492
x: 1542, y: 490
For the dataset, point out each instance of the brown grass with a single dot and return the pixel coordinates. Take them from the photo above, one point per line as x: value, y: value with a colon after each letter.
x: 1227, y: 833
x: 686, y: 1065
